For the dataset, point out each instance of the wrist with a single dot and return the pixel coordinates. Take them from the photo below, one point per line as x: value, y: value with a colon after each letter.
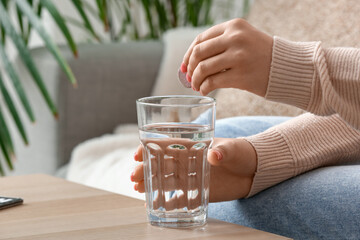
x: 292, y: 72
x: 274, y: 160
x: 250, y: 164
x: 251, y: 156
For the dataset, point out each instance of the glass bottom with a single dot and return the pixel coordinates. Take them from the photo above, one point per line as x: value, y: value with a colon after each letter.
x: 171, y: 221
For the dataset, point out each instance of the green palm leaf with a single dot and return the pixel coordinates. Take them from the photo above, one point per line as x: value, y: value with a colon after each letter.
x: 25, y: 56
x: 6, y: 144
x: 6, y: 155
x: 38, y: 26
x: 101, y: 4
x: 2, y: 30
x: 11, y: 106
x: 147, y: 8
x: 2, y: 34
x: 207, y: 18
x: 20, y: 21
x: 79, y: 7
x: 61, y: 24
x: 16, y: 83
x: 174, y: 12
x: 29, y: 27
x: 2, y: 173
x: 162, y: 15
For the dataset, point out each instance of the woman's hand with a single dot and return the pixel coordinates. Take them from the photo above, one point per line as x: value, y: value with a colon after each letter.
x: 233, y: 54
x: 233, y: 165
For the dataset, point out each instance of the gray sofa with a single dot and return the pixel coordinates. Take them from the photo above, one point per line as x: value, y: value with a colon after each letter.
x: 110, y: 78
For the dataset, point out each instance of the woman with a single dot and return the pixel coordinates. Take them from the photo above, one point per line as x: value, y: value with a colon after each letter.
x: 323, y: 81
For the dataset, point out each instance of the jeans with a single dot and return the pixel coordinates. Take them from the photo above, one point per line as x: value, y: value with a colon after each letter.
x: 320, y: 204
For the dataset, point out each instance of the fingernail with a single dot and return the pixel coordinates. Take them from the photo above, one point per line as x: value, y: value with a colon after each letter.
x: 193, y: 89
x: 218, y: 155
x: 135, y: 187
x: 183, y: 68
x: 132, y: 177
x: 188, y: 78
x: 135, y: 156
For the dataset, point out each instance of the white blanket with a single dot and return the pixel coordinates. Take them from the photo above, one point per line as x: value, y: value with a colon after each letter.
x: 107, y: 162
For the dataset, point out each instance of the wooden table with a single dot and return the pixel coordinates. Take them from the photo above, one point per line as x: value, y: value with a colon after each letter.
x: 57, y: 209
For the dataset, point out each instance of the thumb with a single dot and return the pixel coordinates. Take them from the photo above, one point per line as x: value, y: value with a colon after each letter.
x: 222, y: 150
x: 235, y: 154
x: 215, y: 157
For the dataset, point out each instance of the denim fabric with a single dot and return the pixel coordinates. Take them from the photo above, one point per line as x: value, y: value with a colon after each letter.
x: 321, y: 204
x: 245, y: 126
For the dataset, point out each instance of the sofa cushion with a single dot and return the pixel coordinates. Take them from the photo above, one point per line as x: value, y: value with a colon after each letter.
x: 176, y: 42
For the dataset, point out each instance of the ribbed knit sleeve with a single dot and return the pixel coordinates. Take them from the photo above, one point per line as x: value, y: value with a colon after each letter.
x: 325, y: 82
x: 301, y: 144
x: 321, y: 81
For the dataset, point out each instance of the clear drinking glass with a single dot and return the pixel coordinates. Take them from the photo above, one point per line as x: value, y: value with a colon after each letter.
x: 176, y: 133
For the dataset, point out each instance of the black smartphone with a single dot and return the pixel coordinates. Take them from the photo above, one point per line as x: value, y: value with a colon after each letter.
x: 6, y: 202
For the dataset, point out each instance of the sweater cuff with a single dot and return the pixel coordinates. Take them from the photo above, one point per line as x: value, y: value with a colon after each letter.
x: 292, y: 72
x: 274, y: 160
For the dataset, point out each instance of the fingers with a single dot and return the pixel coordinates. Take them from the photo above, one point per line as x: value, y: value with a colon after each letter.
x: 232, y: 45
x: 140, y: 187
x: 219, y: 80
x: 171, y: 182
x: 209, y: 67
x: 208, y: 34
x: 138, y: 177
x: 205, y: 50
x: 184, y: 175
x: 138, y: 173
x: 138, y: 156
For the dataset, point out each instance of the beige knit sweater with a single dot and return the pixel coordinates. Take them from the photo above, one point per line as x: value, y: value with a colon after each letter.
x: 325, y: 82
